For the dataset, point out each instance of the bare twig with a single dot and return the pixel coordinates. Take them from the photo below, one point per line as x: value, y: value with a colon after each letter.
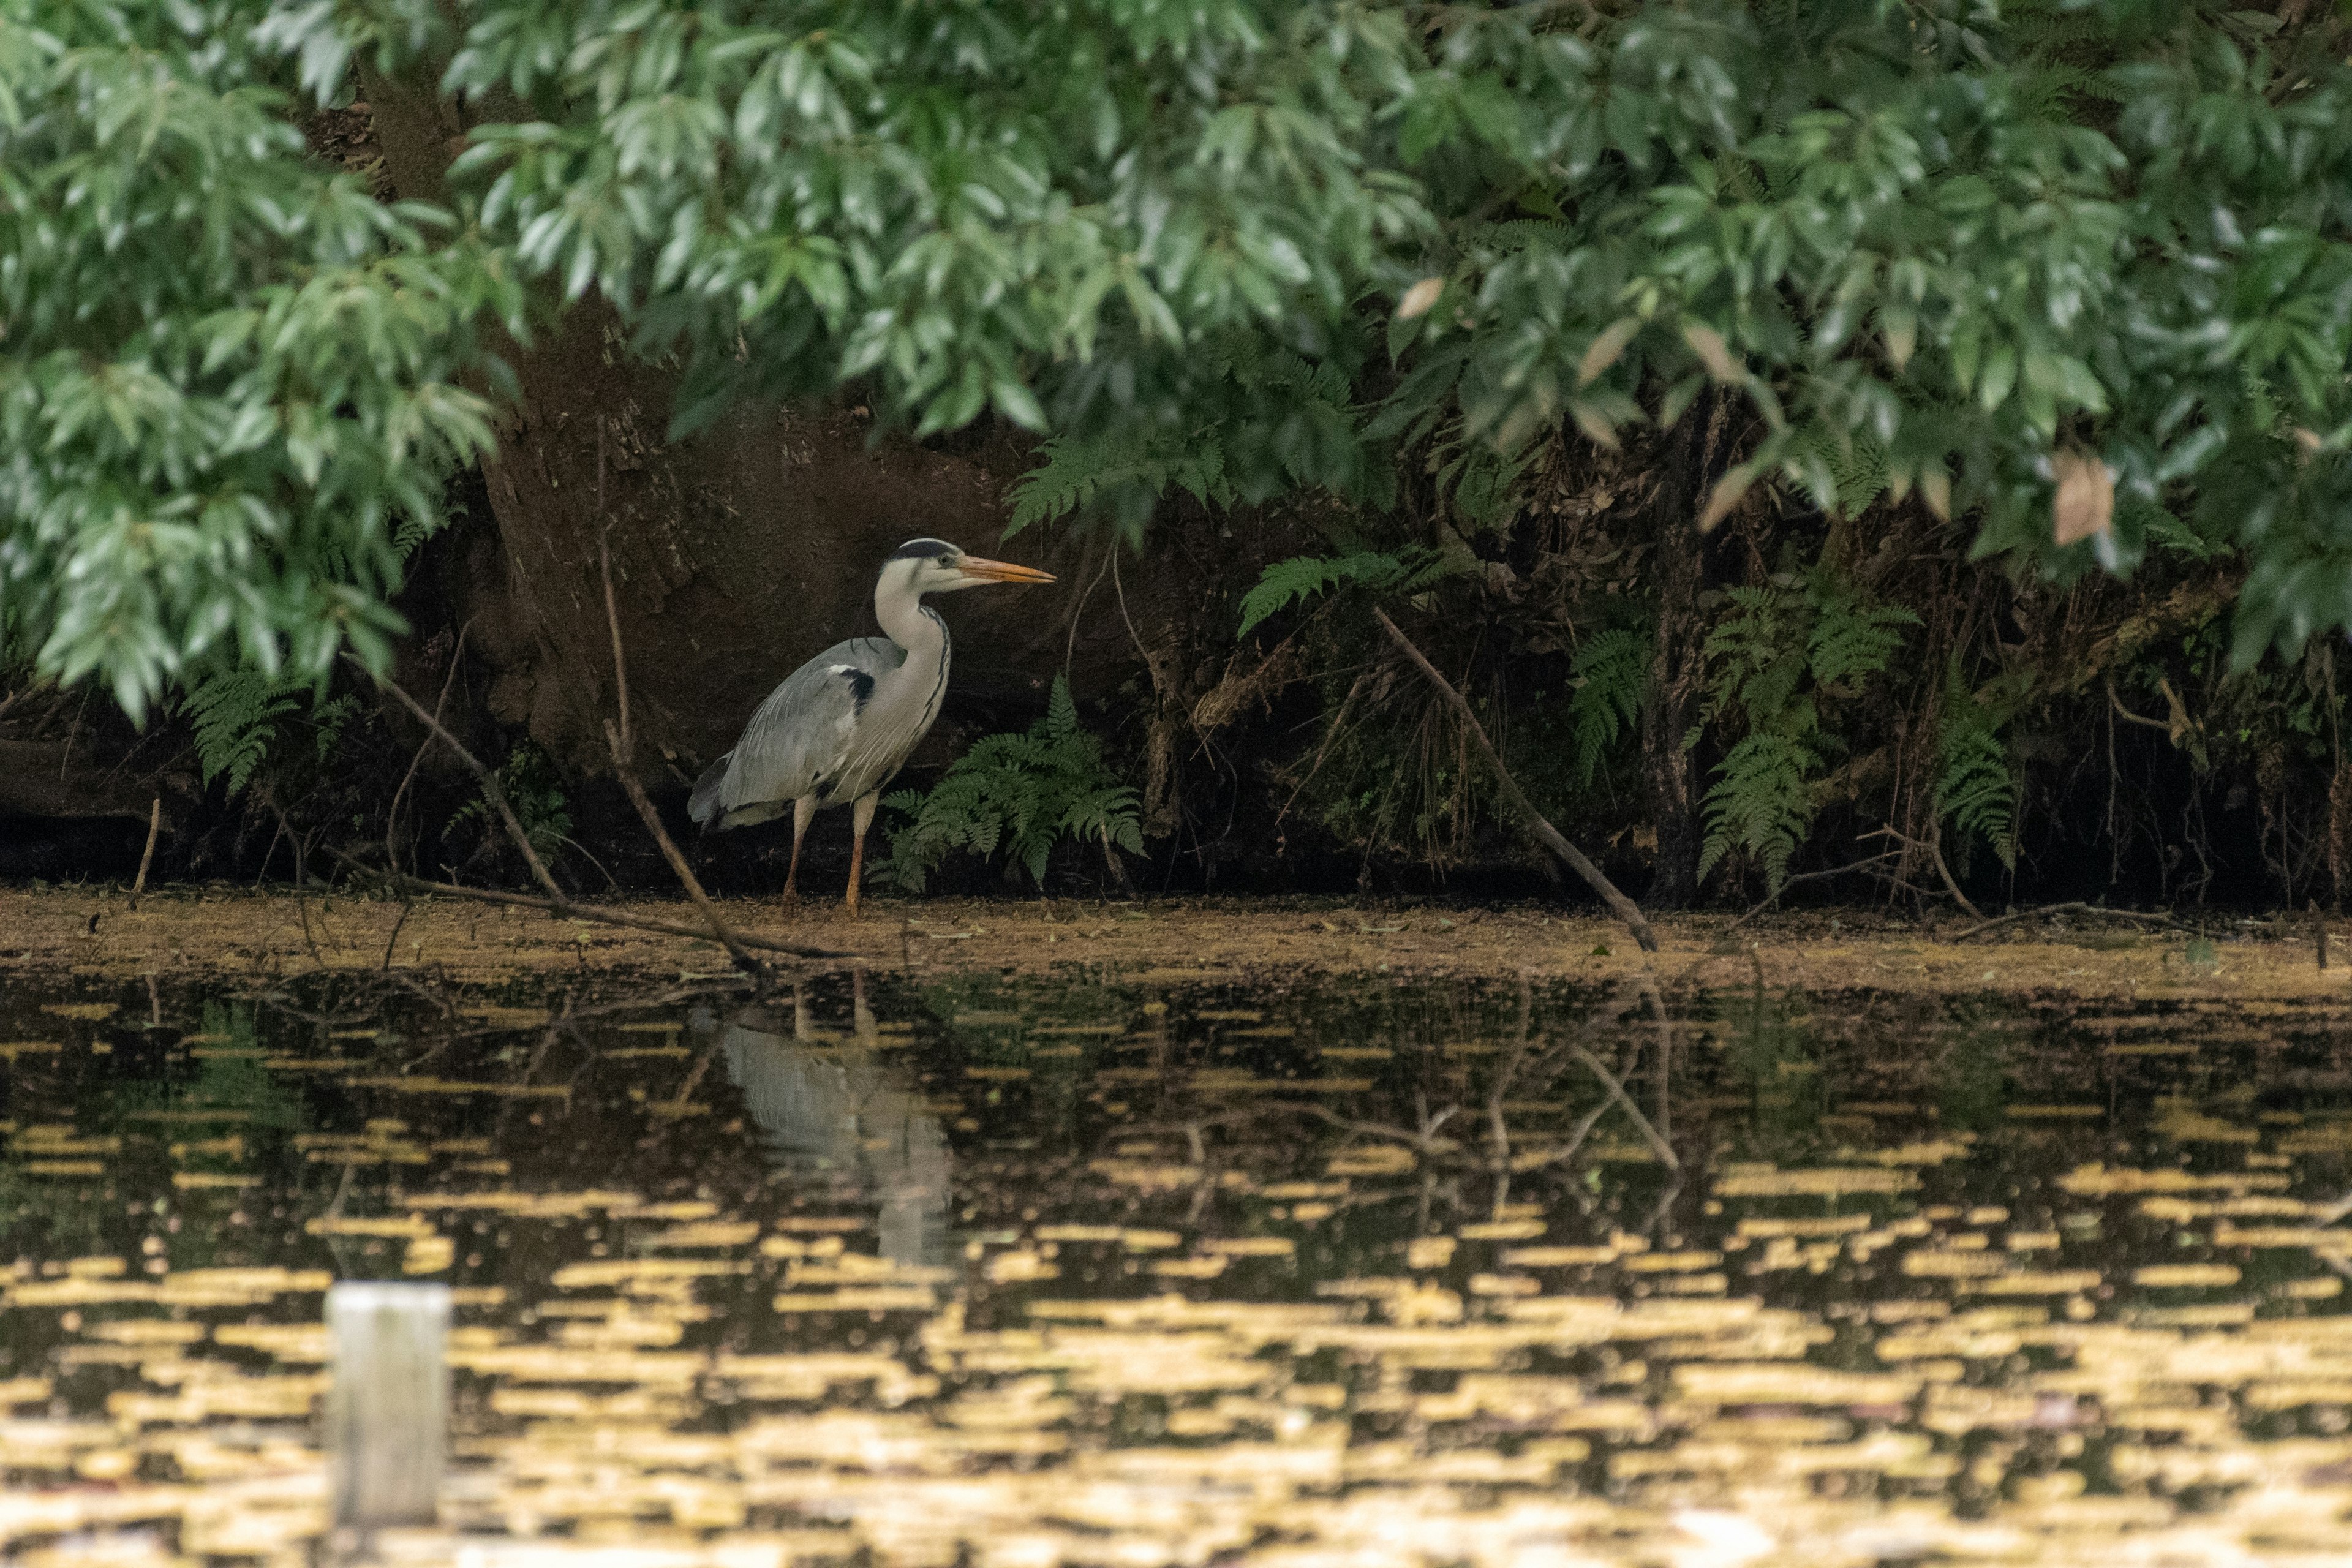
x: 1623, y: 908
x: 1664, y: 1094
x: 489, y: 780
x: 1934, y: 851
x: 1809, y: 877
x: 623, y: 747
x: 155, y: 827
x: 599, y: 913
x: 2077, y: 908
x: 407, y: 906
x: 440, y: 704
x: 1498, y: 1130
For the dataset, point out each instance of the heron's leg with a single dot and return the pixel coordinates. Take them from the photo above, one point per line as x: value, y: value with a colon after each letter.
x: 861, y: 818
x: 803, y: 812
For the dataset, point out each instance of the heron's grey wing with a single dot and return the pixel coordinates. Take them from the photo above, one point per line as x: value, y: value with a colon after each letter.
x: 796, y: 737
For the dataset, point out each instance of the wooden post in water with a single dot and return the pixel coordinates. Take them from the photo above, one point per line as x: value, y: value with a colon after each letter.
x: 387, y: 1403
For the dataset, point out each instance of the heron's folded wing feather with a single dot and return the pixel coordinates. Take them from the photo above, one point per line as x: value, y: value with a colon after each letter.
x: 800, y: 733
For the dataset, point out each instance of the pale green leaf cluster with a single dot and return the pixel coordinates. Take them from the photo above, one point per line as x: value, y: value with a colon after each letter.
x: 1918, y: 246
x: 228, y: 376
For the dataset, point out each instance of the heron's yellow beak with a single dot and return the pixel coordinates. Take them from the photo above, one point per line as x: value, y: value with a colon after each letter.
x: 989, y: 571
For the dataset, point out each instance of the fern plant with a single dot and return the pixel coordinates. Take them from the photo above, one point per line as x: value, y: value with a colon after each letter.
x: 532, y: 787
x: 1786, y: 647
x: 1610, y: 668
x: 235, y: 713
x: 1125, y: 469
x: 1976, y: 781
x: 1286, y: 583
x: 1019, y: 793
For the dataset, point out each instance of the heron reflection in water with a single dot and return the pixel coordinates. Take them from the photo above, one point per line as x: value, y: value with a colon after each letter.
x: 834, y: 1112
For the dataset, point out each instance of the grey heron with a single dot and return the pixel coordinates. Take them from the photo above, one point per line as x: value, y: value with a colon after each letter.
x: 840, y: 725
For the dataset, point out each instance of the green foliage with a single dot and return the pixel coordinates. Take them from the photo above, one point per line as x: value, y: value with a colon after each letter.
x: 1785, y: 649
x: 1023, y: 794
x: 233, y: 714
x: 1286, y: 583
x: 1976, y: 779
x: 533, y: 788
x: 1611, y: 669
x: 1123, y: 465
x: 230, y: 375
x: 1920, y: 245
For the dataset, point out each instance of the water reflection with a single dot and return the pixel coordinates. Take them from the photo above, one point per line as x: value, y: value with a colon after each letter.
x: 830, y: 1107
x: 1366, y: 1273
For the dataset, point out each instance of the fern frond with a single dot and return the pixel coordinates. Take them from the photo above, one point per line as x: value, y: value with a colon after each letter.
x: 1852, y: 636
x: 234, y: 714
x: 1285, y: 582
x: 1976, y: 779
x: 1023, y: 792
x: 1122, y: 466
x: 1761, y: 803
x: 1610, y: 668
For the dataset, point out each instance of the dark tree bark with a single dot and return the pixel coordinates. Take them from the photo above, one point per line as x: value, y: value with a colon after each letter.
x: 1691, y: 460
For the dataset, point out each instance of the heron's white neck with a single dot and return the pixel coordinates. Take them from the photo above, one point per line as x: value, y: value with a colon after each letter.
x: 904, y: 620
x: 907, y: 699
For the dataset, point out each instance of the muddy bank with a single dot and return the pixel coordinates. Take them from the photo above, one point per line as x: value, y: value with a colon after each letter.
x: 95, y: 933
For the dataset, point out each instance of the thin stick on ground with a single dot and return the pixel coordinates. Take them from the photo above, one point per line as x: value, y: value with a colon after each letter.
x: 1934, y: 853
x: 623, y: 742
x: 1860, y: 864
x: 2077, y: 908
x: 440, y: 706
x: 491, y: 791
x: 155, y: 827
x: 401, y: 881
x: 407, y: 907
x: 1623, y: 908
x: 556, y: 899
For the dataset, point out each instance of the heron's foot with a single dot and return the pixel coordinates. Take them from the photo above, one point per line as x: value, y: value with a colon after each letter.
x: 849, y: 905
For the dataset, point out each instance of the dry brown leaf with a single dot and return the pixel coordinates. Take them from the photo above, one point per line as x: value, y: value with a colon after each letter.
x: 1726, y: 495
x: 1714, y: 353
x: 2085, y: 502
x: 1419, y: 298
x: 1606, y: 348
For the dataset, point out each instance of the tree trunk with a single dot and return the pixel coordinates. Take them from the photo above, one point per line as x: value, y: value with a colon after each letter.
x: 1691, y: 461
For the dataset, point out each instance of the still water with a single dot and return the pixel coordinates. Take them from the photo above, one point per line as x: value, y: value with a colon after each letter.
x: 1167, y: 1269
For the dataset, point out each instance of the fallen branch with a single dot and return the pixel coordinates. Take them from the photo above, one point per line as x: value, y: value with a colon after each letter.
x: 557, y: 901
x: 1809, y: 877
x: 1934, y: 853
x: 1623, y: 908
x: 2077, y: 908
x: 599, y: 913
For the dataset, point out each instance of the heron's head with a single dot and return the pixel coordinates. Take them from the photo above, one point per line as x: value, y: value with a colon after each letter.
x: 935, y: 566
